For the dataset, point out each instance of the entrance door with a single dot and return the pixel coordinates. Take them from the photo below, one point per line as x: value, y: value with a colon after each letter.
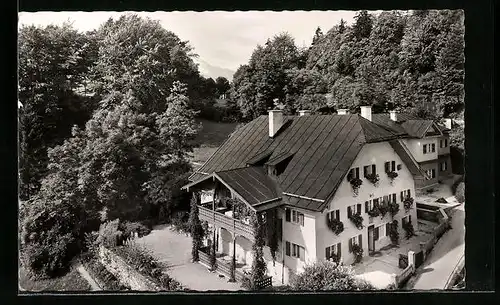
x: 371, y: 240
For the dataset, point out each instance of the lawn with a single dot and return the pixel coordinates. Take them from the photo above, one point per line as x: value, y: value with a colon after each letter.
x: 72, y: 281
x: 210, y: 137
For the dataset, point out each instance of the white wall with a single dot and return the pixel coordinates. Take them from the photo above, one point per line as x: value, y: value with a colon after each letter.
x: 375, y: 153
x: 304, y: 236
x: 416, y: 148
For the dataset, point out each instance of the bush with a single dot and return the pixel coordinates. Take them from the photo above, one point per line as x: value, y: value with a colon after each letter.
x: 356, y: 184
x: 357, y: 220
x: 325, y: 275
x: 110, y: 234
x: 101, y: 274
x: 373, y: 178
x: 393, y: 208
x: 141, y: 260
x: 460, y: 192
x: 410, y: 231
x: 335, y: 225
x: 130, y: 227
x: 358, y: 253
x: 393, y: 232
x: 180, y: 222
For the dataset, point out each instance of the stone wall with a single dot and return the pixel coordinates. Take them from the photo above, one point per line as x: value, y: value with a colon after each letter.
x: 125, y: 273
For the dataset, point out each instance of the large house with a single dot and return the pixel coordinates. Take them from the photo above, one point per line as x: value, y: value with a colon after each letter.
x: 308, y: 173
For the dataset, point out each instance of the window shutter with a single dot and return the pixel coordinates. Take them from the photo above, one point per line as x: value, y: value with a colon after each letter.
x: 387, y: 228
x: 394, y: 197
x: 287, y: 248
x: 337, y: 214
x: 393, y: 165
x: 374, y: 169
x: 376, y: 233
x: 401, y: 196
x: 350, y: 245
x: 365, y: 171
x: 327, y: 252
x: 349, y: 212
x: 301, y: 218
x: 366, y: 206
x: 409, y: 218
x: 350, y: 174
x: 400, y: 166
x: 302, y: 253
x: 409, y: 194
x: 357, y: 172
x: 339, y: 250
x: 360, y: 240
x: 359, y: 208
x: 387, y: 167
x: 375, y: 202
x: 287, y: 215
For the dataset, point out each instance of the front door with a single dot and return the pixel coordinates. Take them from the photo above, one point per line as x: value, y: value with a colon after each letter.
x: 371, y: 240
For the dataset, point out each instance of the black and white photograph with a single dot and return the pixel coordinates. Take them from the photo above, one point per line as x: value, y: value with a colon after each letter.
x: 183, y: 151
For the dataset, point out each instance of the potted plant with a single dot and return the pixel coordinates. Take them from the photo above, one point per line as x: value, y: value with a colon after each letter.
x: 392, y: 175
x: 358, y: 253
x: 393, y: 208
x: 408, y: 203
x: 334, y: 258
x: 373, y: 178
x: 356, y: 183
x: 357, y: 220
x: 383, y: 209
x: 335, y: 225
x: 374, y: 212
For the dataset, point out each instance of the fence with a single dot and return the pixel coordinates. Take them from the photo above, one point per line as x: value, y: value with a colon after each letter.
x: 437, y: 232
x: 409, y: 267
x: 403, y: 277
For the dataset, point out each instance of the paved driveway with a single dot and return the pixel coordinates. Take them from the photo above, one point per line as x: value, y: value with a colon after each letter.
x: 174, y: 250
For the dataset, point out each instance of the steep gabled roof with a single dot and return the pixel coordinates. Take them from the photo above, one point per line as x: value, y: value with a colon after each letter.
x: 321, y: 149
x: 407, y: 124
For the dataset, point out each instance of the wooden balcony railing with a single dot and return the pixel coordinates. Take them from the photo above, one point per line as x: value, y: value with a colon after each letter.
x: 233, y: 225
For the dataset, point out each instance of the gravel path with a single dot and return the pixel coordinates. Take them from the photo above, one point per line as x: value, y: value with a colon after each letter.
x: 83, y: 272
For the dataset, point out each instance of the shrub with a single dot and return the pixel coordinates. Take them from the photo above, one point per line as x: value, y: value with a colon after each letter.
x: 335, y: 225
x: 393, y: 232
x: 195, y: 228
x: 460, y: 192
x: 101, y: 274
x: 145, y: 263
x: 131, y: 227
x: 180, y: 222
x: 392, y: 175
x: 110, y: 235
x: 326, y: 275
x: 403, y: 261
x: 374, y: 212
x: 358, y: 253
x: 410, y: 231
x: 383, y: 209
x: 357, y: 220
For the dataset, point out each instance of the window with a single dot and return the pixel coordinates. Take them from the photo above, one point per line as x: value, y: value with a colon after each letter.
x: 294, y: 216
x: 356, y: 240
x: 376, y: 232
x: 287, y: 248
x: 400, y: 167
x: 334, y: 249
x: 333, y: 215
x: 445, y: 142
x: 297, y: 217
x: 444, y: 166
x: 352, y: 209
x: 394, y: 197
x: 390, y: 166
x: 294, y: 250
x: 440, y: 143
x: 433, y: 147
x: 431, y: 173
x: 353, y: 173
x: 387, y: 228
x: 425, y: 148
x: 369, y: 170
x: 405, y: 194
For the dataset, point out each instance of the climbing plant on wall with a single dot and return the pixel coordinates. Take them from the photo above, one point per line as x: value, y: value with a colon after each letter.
x: 258, y: 264
x: 196, y: 228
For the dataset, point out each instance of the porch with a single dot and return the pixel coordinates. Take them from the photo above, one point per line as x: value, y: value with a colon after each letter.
x: 222, y: 217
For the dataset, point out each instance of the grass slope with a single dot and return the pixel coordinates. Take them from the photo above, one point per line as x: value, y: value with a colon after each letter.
x: 72, y: 281
x: 210, y: 137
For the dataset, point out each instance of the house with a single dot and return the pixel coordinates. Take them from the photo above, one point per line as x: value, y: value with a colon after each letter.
x: 303, y: 173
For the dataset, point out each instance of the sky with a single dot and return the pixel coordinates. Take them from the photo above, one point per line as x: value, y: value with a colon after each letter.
x: 223, y: 40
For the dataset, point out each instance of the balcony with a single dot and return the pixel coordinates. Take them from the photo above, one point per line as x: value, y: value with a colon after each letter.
x: 233, y: 225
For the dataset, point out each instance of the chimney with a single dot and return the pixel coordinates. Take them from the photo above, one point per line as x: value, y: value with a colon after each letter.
x: 394, y: 115
x: 275, y: 121
x: 448, y: 123
x: 342, y: 111
x: 366, y: 112
x: 304, y: 112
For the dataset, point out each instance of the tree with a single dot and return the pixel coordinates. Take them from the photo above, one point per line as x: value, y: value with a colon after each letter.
x: 53, y: 63
x: 318, y: 35
x: 222, y: 85
x: 196, y: 228
x: 342, y: 26
x: 326, y: 275
x: 258, y: 264
x: 363, y: 24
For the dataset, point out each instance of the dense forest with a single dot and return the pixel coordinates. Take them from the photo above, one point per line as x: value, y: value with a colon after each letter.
x: 108, y: 117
